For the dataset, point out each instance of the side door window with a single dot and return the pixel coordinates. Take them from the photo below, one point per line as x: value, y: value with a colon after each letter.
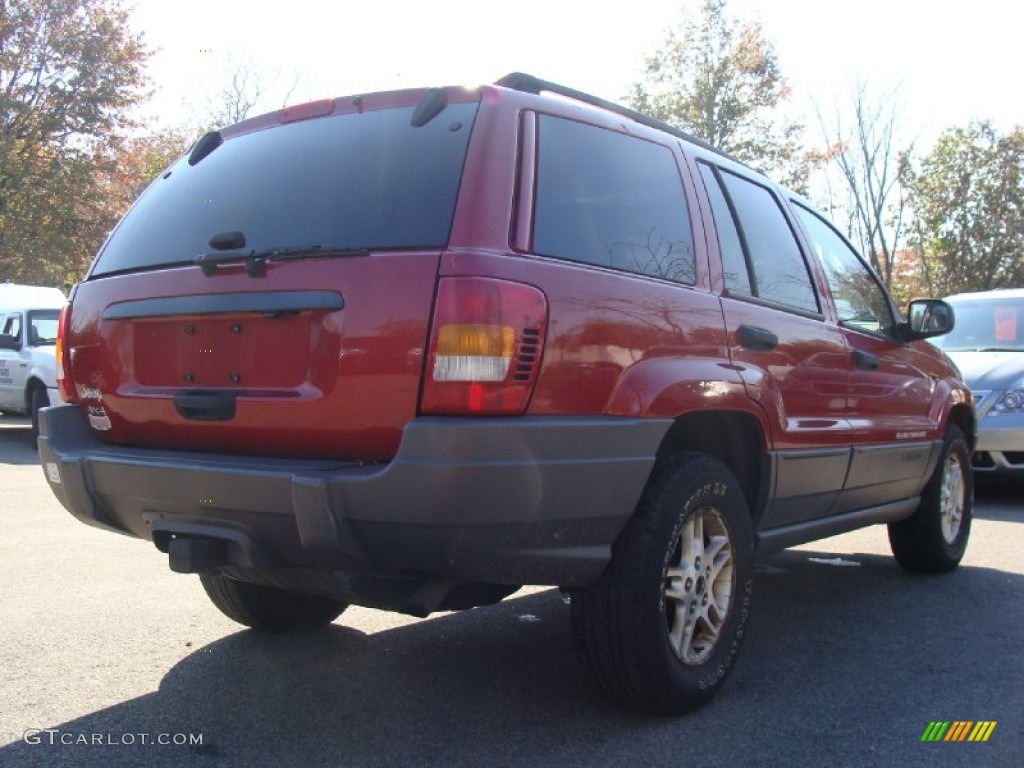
x: 612, y: 200
x: 860, y: 301
x: 42, y: 327
x: 735, y: 269
x: 12, y: 325
x: 778, y: 272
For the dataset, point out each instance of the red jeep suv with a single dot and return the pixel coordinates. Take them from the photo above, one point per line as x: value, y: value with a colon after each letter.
x: 413, y: 350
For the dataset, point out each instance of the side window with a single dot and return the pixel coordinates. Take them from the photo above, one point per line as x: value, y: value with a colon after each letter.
x: 12, y: 325
x: 779, y: 271
x: 612, y: 200
x: 734, y: 263
x: 860, y: 301
x: 42, y: 327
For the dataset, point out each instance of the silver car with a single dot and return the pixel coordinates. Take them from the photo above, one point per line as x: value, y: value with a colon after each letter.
x: 987, y: 346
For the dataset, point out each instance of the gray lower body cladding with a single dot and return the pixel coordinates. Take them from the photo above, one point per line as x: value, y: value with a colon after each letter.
x: 530, y: 500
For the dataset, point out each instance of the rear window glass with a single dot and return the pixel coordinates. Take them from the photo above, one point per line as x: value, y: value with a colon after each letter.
x: 613, y: 200
x: 367, y: 180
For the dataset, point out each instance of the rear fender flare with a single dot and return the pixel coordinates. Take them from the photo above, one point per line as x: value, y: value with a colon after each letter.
x: 668, y: 387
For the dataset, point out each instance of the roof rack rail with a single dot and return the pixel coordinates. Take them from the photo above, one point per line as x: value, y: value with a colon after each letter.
x: 520, y: 81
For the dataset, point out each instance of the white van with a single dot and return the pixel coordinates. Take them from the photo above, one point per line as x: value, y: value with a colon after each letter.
x: 28, y: 333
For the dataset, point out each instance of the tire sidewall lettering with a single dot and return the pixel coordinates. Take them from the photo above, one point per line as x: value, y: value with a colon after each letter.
x: 742, y: 615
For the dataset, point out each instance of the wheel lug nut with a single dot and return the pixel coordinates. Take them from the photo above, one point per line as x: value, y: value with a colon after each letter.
x: 688, y: 585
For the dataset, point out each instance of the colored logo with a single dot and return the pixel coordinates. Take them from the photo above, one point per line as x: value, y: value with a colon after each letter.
x: 958, y: 730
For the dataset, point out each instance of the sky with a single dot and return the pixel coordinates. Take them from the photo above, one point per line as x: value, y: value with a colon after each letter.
x: 950, y: 63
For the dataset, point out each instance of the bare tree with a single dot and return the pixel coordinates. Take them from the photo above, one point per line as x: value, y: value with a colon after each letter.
x: 245, y: 89
x: 872, y: 168
x: 240, y: 92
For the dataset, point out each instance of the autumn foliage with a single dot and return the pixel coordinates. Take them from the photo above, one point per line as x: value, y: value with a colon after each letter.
x: 70, y: 72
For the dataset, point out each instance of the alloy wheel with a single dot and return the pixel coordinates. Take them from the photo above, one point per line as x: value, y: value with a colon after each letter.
x: 951, y: 500
x: 698, y: 586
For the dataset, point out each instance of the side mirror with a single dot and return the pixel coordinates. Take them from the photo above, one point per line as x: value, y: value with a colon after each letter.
x: 9, y: 342
x: 928, y: 318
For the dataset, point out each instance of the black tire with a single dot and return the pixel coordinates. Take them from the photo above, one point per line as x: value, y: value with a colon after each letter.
x: 36, y: 400
x: 622, y: 624
x: 269, y: 609
x: 934, y: 538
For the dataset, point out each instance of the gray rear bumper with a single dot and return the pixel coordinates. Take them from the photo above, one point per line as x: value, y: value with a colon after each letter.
x: 526, y: 500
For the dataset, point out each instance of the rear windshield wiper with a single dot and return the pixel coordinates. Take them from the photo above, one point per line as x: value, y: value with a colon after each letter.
x: 255, y: 260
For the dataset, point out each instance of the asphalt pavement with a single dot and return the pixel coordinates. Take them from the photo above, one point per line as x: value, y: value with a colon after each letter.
x: 109, y: 659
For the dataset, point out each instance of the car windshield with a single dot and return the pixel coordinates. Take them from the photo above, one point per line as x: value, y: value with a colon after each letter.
x: 991, y: 324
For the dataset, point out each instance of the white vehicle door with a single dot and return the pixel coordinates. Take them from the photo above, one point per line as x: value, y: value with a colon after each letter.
x: 13, y: 365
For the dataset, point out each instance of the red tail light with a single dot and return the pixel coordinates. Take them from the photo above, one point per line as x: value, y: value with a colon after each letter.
x: 485, y: 347
x: 65, y: 387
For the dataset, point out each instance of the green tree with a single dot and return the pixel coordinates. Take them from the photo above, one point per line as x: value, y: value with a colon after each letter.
x: 138, y: 160
x: 968, y: 198
x: 70, y: 72
x: 721, y: 81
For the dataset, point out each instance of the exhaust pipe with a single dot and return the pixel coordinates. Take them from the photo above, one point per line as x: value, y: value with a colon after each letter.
x: 196, y: 555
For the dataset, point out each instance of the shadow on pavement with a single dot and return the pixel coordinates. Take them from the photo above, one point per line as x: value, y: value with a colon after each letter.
x: 999, y: 498
x: 845, y: 656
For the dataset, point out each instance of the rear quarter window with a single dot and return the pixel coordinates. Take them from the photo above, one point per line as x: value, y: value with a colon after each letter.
x: 612, y: 200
